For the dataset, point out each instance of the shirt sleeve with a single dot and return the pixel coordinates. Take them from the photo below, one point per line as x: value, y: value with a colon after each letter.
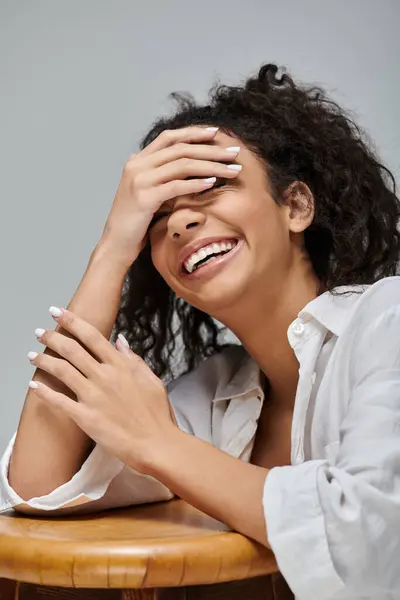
x: 102, y: 482
x: 334, y: 526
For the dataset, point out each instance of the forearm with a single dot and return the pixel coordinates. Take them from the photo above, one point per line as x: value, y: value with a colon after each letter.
x: 47, y: 438
x: 216, y: 483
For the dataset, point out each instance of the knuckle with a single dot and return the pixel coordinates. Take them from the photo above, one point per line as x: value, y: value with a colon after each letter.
x: 91, y: 392
x: 174, y: 188
x: 181, y: 147
x: 166, y: 134
x: 184, y: 162
x: 129, y: 168
x: 91, y: 337
x: 132, y: 176
x: 136, y: 180
x: 68, y: 319
x: 59, y: 367
x: 67, y: 346
x: 108, y: 373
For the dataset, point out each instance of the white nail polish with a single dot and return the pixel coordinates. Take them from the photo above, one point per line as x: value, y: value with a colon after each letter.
x: 56, y: 312
x: 33, y: 385
x: 235, y: 167
x: 32, y: 355
x: 212, y: 128
x: 233, y: 149
x: 123, y: 340
x: 39, y: 332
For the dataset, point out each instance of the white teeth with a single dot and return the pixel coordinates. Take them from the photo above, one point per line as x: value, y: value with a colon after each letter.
x: 203, y: 252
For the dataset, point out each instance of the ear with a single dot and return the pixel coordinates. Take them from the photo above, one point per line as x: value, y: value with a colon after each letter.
x: 300, y: 204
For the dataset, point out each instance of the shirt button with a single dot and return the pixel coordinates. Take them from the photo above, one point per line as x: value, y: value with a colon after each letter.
x: 298, y: 328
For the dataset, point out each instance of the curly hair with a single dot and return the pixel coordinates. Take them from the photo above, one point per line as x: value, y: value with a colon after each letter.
x: 297, y: 133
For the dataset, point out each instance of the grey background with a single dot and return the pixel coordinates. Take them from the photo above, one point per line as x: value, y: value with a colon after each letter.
x: 81, y: 82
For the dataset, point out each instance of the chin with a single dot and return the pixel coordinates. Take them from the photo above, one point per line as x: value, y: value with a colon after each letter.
x: 215, y: 296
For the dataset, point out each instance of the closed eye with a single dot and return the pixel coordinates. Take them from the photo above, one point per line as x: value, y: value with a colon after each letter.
x: 157, y: 218
x: 219, y: 183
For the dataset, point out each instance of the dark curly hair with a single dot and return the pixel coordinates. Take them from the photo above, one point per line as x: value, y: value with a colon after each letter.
x: 299, y: 134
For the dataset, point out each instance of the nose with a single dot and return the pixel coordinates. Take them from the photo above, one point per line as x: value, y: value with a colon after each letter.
x: 183, y: 221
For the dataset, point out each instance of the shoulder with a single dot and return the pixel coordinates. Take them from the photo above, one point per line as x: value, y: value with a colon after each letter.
x: 372, y: 332
x: 192, y: 393
x: 380, y: 298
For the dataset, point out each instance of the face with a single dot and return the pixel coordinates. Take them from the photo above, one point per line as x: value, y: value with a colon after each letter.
x: 242, y: 209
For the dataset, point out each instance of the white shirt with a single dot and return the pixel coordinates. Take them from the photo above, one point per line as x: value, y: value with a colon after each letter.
x: 333, y: 515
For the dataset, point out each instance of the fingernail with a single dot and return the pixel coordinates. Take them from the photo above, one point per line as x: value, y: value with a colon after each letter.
x: 235, y: 167
x: 39, y: 332
x: 212, y: 128
x: 233, y: 149
x: 32, y: 355
x: 33, y: 385
x: 55, y: 312
x: 123, y: 340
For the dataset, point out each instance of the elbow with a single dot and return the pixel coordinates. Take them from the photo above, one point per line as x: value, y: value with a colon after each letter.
x: 27, y: 488
x: 81, y: 509
x: 25, y: 509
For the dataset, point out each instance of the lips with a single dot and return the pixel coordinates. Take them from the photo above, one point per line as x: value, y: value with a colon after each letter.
x: 209, y: 270
x: 209, y: 257
x: 196, y: 246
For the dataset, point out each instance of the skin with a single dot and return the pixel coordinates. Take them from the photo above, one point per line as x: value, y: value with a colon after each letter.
x: 124, y: 407
x: 273, y: 276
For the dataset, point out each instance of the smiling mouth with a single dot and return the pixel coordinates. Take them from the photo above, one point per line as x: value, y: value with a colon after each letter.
x: 208, y: 259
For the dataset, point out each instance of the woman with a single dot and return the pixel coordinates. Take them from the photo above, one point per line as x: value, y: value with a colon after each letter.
x: 281, y: 226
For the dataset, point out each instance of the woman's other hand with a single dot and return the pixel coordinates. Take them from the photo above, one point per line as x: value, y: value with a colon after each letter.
x: 121, y: 404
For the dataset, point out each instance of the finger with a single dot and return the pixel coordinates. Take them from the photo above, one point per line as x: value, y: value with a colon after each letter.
x: 135, y: 361
x: 188, y: 167
x: 56, y: 400
x: 122, y: 345
x: 179, y: 187
x: 168, y: 137
x: 72, y: 351
x: 194, y: 151
x: 86, y: 333
x: 203, y: 151
x: 62, y: 370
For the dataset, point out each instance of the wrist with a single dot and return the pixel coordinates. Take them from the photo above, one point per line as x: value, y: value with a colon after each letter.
x: 161, y: 456
x: 106, y: 251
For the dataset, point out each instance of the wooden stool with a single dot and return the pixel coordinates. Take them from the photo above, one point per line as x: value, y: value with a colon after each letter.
x: 162, y: 551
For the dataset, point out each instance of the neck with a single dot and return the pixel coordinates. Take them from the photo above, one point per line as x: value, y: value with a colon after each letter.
x: 260, y: 322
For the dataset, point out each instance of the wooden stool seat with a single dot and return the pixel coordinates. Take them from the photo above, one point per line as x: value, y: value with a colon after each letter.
x: 167, y: 544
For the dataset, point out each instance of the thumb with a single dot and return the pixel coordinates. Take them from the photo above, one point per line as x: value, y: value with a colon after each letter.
x: 122, y: 344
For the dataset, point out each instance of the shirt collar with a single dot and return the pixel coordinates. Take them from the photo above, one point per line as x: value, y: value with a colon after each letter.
x: 333, y: 312
x: 243, y: 376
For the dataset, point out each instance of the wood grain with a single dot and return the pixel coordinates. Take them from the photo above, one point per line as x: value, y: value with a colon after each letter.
x: 166, y: 544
